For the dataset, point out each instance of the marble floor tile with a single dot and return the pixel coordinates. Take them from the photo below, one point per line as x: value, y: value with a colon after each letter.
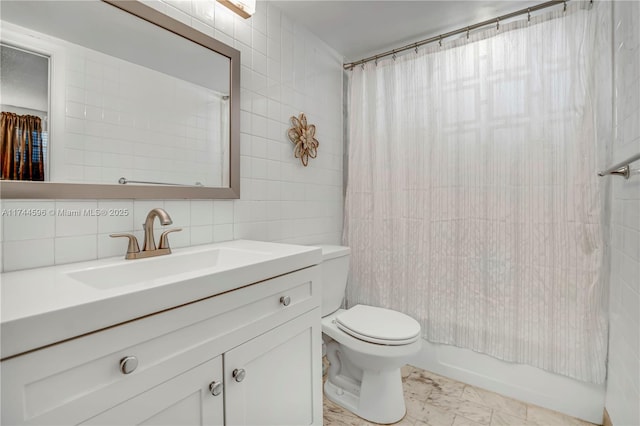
x: 334, y: 415
x: 414, y: 405
x: 426, y: 414
x: 495, y: 401
x: 433, y: 400
x: 437, y: 384
x: 407, y: 421
x: 503, y: 419
x: 476, y: 412
x: 407, y: 370
x: 463, y: 421
x: 416, y: 386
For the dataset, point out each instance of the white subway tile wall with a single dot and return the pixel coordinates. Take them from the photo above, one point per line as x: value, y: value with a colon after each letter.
x: 623, y: 382
x: 285, y: 70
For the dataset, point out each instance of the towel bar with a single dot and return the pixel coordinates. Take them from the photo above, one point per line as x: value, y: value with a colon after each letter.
x: 622, y: 168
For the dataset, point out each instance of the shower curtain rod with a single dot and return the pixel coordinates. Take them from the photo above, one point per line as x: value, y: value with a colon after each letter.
x: 439, y: 38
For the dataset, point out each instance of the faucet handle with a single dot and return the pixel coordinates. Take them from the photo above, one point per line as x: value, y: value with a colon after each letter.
x: 133, y: 242
x: 164, y: 239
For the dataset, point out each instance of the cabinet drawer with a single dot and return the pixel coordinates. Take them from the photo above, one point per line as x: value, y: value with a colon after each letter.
x: 72, y: 381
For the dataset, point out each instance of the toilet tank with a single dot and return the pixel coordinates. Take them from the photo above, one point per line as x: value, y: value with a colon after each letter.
x: 335, y: 269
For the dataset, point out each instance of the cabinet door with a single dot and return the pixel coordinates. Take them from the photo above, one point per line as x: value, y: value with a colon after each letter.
x: 183, y: 400
x: 279, y: 380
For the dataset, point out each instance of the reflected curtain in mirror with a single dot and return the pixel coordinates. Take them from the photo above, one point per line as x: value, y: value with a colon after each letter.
x: 21, y: 147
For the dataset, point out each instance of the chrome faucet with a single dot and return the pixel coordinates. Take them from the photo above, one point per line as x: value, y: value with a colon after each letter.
x: 149, y: 248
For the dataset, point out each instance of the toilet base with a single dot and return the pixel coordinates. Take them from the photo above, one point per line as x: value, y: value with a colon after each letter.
x: 378, y: 398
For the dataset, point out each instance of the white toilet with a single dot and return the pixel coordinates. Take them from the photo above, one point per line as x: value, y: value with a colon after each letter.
x: 365, y: 345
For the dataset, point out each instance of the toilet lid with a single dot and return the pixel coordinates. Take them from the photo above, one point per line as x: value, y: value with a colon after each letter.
x: 378, y: 325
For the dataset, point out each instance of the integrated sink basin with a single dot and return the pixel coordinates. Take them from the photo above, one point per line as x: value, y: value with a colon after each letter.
x: 43, y: 306
x: 167, y: 268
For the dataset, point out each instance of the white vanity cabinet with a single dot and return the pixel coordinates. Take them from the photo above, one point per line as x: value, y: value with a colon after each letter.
x: 183, y: 400
x: 272, y: 378
x: 180, y: 364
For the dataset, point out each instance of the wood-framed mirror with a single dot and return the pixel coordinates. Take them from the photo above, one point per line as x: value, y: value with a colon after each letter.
x: 135, y: 104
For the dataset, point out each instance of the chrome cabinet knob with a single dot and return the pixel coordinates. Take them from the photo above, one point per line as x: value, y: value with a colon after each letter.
x: 215, y: 388
x: 128, y: 364
x: 238, y: 374
x: 285, y: 300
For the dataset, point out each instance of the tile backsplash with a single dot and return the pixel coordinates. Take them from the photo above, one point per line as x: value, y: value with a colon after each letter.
x: 48, y: 232
x: 285, y: 70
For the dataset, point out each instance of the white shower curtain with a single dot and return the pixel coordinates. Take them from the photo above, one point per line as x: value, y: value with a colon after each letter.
x: 472, y: 200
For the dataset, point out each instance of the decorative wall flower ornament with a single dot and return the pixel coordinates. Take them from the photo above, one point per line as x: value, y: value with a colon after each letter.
x: 303, y: 137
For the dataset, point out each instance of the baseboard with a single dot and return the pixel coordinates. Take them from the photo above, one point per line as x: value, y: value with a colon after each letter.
x: 522, y: 382
x: 606, y: 420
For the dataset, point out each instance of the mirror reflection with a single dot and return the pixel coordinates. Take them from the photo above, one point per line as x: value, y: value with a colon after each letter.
x: 24, y: 114
x: 93, y: 94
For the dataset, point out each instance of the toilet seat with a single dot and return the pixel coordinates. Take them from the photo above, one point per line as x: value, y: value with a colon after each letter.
x: 378, y: 325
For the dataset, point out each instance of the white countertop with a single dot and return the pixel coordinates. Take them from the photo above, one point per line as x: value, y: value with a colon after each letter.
x: 46, y: 305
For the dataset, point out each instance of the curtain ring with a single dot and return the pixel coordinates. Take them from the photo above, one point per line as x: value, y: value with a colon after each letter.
x: 416, y: 48
x: 564, y: 9
x: 497, y: 24
x: 440, y: 41
x: 467, y: 33
x: 529, y: 15
x: 376, y: 62
x: 362, y: 66
x: 394, y: 55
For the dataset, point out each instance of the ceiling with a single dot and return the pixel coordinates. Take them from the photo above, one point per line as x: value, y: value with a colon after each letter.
x: 360, y: 28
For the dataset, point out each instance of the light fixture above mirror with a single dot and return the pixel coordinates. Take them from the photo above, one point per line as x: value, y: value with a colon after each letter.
x: 244, y: 8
